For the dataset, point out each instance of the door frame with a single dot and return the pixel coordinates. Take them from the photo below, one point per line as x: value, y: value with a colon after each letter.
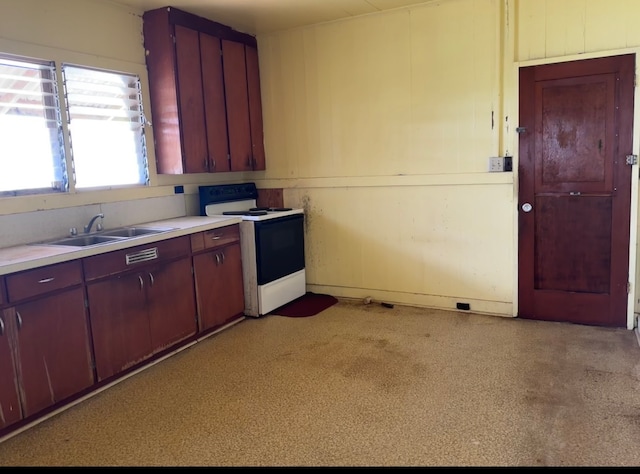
x: 633, y: 269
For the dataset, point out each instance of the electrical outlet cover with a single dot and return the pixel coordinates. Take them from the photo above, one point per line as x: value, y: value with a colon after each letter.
x: 496, y: 164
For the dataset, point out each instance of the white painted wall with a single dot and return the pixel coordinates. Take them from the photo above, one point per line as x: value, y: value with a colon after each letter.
x: 381, y: 128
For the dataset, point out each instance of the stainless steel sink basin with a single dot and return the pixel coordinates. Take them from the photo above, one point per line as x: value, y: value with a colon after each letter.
x: 106, y: 236
x: 134, y: 231
x: 83, y: 240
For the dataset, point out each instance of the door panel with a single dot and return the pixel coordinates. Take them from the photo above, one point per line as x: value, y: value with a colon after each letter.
x: 192, y: 119
x: 574, y: 242
x: 238, y: 125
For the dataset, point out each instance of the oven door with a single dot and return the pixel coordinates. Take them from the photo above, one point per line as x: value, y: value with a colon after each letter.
x: 279, y: 247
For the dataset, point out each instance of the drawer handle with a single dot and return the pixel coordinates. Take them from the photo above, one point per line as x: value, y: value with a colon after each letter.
x: 216, y: 237
x: 46, y: 280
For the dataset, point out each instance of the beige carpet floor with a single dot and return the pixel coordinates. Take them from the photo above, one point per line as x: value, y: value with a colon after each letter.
x: 364, y: 385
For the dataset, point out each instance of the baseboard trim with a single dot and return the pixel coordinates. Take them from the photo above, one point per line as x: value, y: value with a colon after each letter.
x: 493, y: 308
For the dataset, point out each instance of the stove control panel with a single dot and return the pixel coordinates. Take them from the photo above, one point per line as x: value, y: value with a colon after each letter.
x: 219, y: 193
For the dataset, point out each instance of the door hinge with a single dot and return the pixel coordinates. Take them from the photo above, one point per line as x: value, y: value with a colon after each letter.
x: 632, y: 159
x: 521, y: 129
x: 628, y: 287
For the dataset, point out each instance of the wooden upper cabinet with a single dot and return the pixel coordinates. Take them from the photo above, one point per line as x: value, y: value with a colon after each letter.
x: 242, y: 88
x: 235, y: 80
x: 191, y: 102
x: 255, y: 108
x: 214, y: 103
x: 205, y: 94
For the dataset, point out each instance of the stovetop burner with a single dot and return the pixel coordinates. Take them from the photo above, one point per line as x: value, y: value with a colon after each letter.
x: 250, y: 212
x: 271, y: 209
x: 257, y: 211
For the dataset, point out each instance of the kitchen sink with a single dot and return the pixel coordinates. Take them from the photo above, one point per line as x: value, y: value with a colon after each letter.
x: 106, y: 236
x: 134, y: 231
x: 83, y: 240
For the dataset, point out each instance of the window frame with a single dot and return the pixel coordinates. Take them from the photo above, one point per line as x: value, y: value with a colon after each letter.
x: 142, y: 161
x: 52, y: 113
x: 48, y: 198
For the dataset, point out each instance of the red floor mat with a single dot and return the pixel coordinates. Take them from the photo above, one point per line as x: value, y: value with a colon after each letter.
x: 308, y: 304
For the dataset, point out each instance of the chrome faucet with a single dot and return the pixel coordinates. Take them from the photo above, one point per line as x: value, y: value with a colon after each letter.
x: 87, y: 228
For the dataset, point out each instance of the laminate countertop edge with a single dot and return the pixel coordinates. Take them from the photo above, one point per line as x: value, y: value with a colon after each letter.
x: 33, y: 255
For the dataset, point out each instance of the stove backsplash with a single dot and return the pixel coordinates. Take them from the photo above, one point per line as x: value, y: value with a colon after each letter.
x: 270, y: 198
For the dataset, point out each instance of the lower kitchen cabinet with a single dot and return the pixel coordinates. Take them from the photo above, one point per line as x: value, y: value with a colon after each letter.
x: 10, y: 411
x: 139, y: 308
x: 52, y: 346
x: 172, y: 304
x: 65, y: 327
x: 218, y: 278
x: 45, y: 352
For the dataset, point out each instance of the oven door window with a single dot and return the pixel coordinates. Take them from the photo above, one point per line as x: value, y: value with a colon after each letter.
x: 279, y: 247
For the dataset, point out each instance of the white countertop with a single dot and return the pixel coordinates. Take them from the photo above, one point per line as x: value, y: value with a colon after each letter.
x: 24, y: 257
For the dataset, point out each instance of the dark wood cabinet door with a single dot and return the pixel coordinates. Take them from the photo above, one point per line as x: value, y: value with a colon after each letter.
x: 255, y: 108
x: 10, y: 411
x: 171, y: 302
x: 192, y: 116
x: 119, y: 323
x: 219, y: 286
x: 214, y: 104
x: 53, y: 349
x: 239, y: 127
x: 163, y: 91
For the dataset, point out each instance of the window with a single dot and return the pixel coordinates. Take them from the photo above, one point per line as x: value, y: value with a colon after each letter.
x: 31, y: 140
x: 104, y: 128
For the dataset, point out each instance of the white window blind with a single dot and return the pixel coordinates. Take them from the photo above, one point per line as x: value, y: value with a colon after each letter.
x: 31, y: 141
x: 106, y: 126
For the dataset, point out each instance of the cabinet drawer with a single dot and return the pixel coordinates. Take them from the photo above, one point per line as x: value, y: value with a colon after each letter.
x: 215, y: 238
x: 43, y: 280
x: 127, y: 259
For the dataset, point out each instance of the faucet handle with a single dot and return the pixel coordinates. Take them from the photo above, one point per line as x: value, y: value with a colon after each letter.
x: 73, y: 231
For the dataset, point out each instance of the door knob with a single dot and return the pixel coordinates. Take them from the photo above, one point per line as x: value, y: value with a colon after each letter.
x: 526, y: 207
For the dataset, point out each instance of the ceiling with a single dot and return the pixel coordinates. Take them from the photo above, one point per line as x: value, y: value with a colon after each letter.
x: 266, y: 16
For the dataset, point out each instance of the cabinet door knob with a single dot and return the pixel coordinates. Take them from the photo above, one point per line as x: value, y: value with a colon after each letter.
x: 1, y: 327
x: 19, y: 320
x: 526, y: 207
x: 141, y: 282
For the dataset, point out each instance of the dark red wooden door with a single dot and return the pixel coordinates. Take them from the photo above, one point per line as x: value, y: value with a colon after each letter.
x: 576, y: 122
